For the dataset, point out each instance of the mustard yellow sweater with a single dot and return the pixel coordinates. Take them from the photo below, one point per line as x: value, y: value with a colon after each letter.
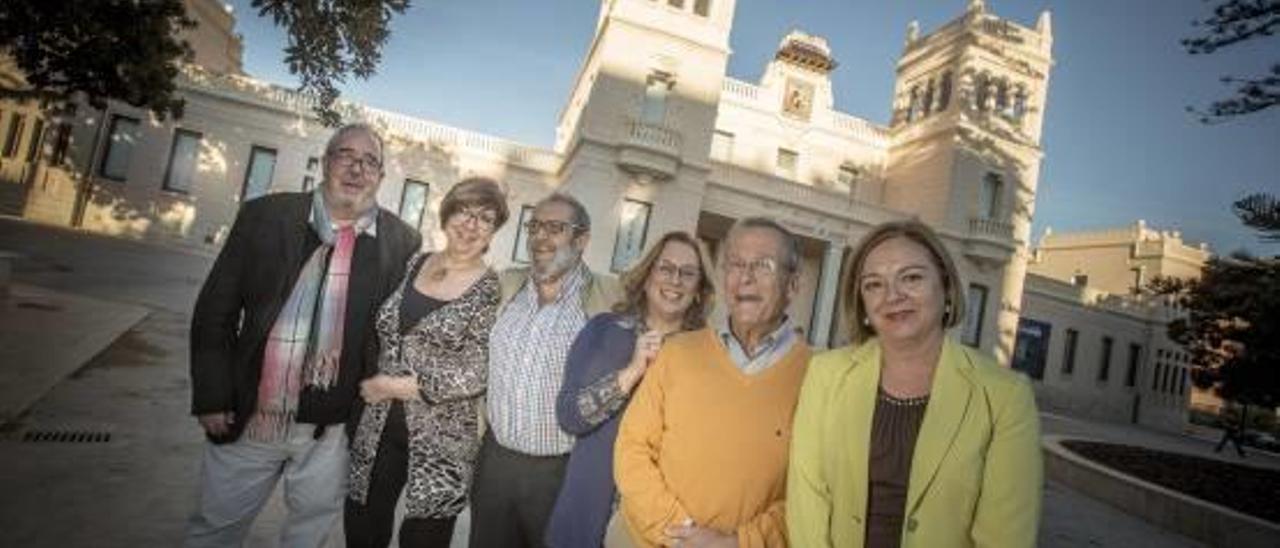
x: 703, y: 441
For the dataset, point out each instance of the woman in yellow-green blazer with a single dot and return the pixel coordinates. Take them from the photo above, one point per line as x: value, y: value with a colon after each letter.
x: 908, y: 438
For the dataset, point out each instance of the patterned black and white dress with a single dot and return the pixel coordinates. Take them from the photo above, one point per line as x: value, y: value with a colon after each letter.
x: 448, y: 352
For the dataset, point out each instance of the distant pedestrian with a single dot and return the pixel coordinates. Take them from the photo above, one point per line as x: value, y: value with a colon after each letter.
x: 1233, y: 434
x: 279, y: 343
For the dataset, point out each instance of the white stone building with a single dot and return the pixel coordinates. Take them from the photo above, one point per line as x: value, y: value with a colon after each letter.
x: 1094, y: 344
x: 654, y: 137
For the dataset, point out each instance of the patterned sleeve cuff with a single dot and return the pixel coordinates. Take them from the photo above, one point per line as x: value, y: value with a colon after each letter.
x: 601, y: 399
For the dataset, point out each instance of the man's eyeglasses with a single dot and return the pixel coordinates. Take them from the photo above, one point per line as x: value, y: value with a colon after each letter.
x: 760, y: 268
x: 552, y: 228
x: 346, y: 158
x: 670, y: 272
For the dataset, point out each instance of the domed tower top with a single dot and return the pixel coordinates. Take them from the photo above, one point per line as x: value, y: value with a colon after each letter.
x: 806, y: 51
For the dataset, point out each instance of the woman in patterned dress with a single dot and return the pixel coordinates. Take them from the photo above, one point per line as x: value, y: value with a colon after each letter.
x: 419, y: 426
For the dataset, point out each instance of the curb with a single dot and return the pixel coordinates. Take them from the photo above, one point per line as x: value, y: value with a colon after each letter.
x: 1198, y: 519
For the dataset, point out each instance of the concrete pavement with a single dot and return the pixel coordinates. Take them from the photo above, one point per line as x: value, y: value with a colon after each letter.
x: 46, y: 335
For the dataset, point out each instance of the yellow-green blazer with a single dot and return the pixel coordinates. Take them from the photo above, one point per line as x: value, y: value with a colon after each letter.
x: 976, y: 475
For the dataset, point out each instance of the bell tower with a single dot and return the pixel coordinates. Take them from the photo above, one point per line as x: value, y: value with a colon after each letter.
x: 965, y: 152
x: 637, y: 130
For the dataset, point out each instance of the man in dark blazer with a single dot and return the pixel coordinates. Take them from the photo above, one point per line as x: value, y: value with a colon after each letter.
x: 281, y: 336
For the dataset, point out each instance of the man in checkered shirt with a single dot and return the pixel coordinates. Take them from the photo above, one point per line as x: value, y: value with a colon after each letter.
x: 523, y: 457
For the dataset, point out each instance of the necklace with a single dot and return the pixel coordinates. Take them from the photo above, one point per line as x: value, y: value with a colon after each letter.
x: 437, y: 267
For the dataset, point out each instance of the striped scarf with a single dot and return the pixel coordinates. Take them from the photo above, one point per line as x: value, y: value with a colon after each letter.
x: 305, y: 344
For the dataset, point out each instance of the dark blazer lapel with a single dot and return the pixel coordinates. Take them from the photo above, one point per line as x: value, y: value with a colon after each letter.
x: 949, y: 401
x: 292, y: 231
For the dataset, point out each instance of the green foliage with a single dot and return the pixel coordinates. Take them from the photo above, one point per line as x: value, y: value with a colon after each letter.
x: 329, y: 39
x: 1232, y: 22
x: 124, y: 50
x: 1231, y: 327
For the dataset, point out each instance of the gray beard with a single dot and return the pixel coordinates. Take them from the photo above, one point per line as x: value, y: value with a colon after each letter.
x: 560, y: 263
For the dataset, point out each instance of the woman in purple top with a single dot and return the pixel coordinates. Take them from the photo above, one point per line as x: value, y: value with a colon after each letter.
x: 669, y: 290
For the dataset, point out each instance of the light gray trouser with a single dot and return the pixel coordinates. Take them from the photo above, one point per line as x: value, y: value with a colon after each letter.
x: 237, y: 478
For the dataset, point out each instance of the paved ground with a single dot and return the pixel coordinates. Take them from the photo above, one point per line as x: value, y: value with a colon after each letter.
x: 137, y: 489
x: 65, y: 330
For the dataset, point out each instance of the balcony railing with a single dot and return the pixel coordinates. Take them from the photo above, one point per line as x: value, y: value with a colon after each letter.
x: 652, y: 136
x: 650, y: 149
x: 990, y: 228
x: 417, y: 129
x: 741, y: 90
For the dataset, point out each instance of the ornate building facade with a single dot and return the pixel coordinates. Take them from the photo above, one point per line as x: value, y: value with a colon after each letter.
x: 654, y: 136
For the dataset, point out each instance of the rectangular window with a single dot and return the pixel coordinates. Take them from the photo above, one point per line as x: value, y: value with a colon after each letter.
x: 413, y: 201
x: 722, y: 146
x: 989, y: 196
x: 13, y: 136
x: 183, y: 156
x: 520, y: 253
x: 1031, y: 347
x: 123, y: 137
x: 257, y: 178
x: 61, y: 143
x: 975, y: 312
x: 847, y: 179
x: 676, y: 3
x: 309, y: 179
x: 1069, y: 351
x: 1135, y: 355
x: 1104, y: 359
x: 702, y: 7
x: 654, y: 109
x: 787, y: 161
x: 37, y: 137
x: 633, y: 225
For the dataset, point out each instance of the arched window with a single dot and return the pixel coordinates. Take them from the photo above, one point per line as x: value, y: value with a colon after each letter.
x: 1019, y: 103
x: 913, y: 103
x: 928, y: 98
x: 944, y: 91
x: 982, y: 92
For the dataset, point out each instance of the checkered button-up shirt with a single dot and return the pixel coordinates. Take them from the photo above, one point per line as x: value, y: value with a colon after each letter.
x: 527, y: 351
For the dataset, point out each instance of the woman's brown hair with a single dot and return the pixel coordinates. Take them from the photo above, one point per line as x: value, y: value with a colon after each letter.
x: 634, y: 279
x: 919, y: 233
x: 481, y: 192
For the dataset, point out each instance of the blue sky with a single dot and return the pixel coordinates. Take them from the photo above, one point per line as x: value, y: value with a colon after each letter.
x: 1119, y: 144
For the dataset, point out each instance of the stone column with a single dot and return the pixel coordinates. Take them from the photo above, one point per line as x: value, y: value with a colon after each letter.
x: 824, y: 303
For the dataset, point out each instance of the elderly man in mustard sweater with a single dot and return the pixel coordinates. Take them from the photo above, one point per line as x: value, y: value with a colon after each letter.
x: 701, y: 456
